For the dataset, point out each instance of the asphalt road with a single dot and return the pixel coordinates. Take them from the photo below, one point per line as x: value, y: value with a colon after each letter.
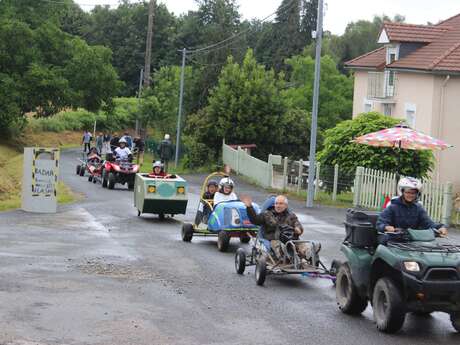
x: 95, y: 273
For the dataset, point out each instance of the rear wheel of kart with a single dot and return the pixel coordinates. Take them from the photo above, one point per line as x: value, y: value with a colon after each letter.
x: 111, y: 184
x: 104, y: 179
x: 161, y: 216
x: 90, y: 178
x: 78, y: 169
x: 94, y: 180
x: 347, y: 297
x: 223, y: 240
x: 455, y: 319
x: 388, y: 306
x: 240, y: 261
x: 138, y: 213
x: 131, y: 185
x: 245, y: 238
x: 82, y: 170
x: 261, y: 270
x: 187, y: 232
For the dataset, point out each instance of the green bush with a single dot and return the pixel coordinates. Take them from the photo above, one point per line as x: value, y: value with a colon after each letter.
x: 339, y: 148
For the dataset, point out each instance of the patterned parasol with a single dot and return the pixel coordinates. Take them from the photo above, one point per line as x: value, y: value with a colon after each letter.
x: 402, y: 137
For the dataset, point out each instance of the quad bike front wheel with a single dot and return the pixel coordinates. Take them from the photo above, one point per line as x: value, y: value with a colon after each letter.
x: 240, y: 261
x: 105, y: 180
x: 388, y: 306
x: 347, y: 297
x: 90, y: 178
x: 223, y: 240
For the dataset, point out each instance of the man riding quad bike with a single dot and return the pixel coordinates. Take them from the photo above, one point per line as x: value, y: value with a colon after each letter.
x: 119, y: 169
x: 395, y: 262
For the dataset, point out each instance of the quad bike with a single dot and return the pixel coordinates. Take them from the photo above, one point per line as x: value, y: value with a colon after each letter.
x: 118, y: 171
x: 406, y: 271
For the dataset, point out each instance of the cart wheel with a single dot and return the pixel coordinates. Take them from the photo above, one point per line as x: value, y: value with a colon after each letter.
x: 111, y: 184
x: 94, y: 180
x: 455, y: 319
x: 78, y: 169
x: 223, y: 240
x: 348, y: 299
x: 131, y: 185
x: 261, y: 270
x: 161, y: 216
x: 240, y: 261
x: 245, y: 238
x: 104, y: 179
x: 187, y: 232
x: 90, y: 178
x: 138, y: 213
x: 388, y: 306
x: 82, y: 170
x: 334, y: 269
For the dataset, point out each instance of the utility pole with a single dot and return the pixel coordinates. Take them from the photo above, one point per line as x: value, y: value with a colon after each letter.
x: 314, y: 115
x: 179, y: 114
x: 139, y: 93
x: 148, y: 44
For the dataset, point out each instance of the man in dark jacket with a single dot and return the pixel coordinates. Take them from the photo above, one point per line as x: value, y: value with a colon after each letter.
x: 273, y: 220
x: 406, y: 212
x: 165, y: 151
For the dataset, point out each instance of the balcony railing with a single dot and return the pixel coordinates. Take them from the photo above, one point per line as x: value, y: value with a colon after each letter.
x: 381, y: 85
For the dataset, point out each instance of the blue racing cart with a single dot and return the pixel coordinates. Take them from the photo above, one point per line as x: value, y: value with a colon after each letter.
x: 224, y: 220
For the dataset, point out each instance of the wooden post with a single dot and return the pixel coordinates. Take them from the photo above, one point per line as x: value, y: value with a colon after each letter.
x: 358, y: 185
x: 447, y: 204
x: 336, y: 181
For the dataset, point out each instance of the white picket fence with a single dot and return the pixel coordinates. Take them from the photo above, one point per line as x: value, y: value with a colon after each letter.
x: 242, y: 163
x: 372, y: 186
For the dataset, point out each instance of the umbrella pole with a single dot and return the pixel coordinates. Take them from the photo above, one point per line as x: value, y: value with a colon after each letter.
x: 398, y: 168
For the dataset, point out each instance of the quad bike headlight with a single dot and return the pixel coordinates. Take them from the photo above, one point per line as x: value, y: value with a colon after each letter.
x: 411, y: 266
x: 152, y: 189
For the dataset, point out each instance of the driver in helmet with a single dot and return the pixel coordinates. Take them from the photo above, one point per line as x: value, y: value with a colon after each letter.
x: 405, y: 212
x: 122, y: 152
x: 157, y: 170
x: 225, y: 192
x: 93, y: 155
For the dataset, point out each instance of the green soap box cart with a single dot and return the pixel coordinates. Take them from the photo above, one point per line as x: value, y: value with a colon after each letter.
x: 160, y: 196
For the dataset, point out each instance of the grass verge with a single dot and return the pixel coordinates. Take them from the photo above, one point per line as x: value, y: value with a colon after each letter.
x: 179, y: 170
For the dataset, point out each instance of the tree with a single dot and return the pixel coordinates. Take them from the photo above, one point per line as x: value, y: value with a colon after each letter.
x: 336, y: 90
x: 339, y: 148
x: 244, y: 107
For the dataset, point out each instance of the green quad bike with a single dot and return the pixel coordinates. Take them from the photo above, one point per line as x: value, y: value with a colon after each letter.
x: 407, y: 271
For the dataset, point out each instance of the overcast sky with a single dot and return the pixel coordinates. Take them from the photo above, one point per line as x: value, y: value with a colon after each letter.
x: 338, y: 12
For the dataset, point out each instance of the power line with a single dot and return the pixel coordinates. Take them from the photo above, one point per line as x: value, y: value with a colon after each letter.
x: 240, y: 33
x: 80, y: 4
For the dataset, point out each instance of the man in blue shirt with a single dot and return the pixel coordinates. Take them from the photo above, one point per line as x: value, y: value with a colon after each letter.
x: 405, y: 212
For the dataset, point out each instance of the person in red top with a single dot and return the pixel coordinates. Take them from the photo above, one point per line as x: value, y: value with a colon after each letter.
x: 158, y: 170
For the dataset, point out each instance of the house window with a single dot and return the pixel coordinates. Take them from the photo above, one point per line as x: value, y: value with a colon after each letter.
x: 367, y: 105
x: 411, y: 110
x: 386, y: 109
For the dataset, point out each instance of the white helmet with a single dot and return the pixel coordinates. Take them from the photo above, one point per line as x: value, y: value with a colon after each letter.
x: 226, y: 182
x: 157, y: 164
x: 167, y: 136
x: 122, y: 140
x: 409, y: 183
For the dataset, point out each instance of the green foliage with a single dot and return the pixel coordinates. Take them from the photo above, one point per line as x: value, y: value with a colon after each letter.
x: 336, y: 90
x: 338, y: 148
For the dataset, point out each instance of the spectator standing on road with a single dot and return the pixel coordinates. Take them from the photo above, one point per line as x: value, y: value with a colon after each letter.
x: 165, y: 151
x: 86, y: 140
x: 140, y: 146
x: 99, y: 142
x: 107, y: 138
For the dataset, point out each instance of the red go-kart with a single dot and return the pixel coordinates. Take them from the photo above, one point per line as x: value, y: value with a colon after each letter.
x: 95, y: 168
x: 118, y: 171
